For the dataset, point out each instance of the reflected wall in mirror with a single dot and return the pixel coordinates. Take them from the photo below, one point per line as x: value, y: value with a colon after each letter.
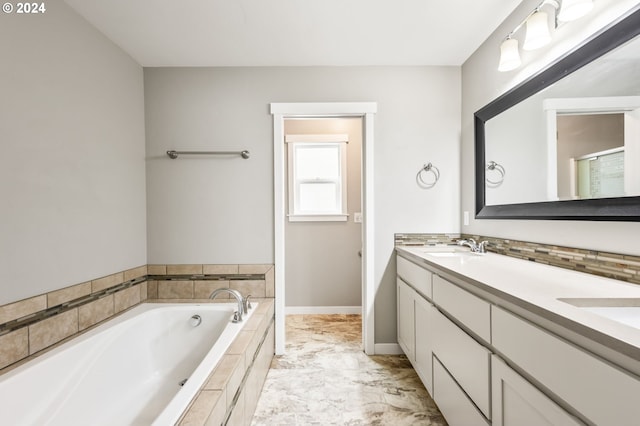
x: 568, y: 139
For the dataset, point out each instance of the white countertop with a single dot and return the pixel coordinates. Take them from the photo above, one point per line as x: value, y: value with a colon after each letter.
x: 538, y: 287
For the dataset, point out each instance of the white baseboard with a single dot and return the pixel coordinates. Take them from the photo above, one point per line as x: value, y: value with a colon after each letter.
x: 388, y: 349
x: 322, y: 310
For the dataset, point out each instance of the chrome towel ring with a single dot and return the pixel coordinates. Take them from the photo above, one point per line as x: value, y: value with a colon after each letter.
x: 427, y: 183
x: 491, y: 166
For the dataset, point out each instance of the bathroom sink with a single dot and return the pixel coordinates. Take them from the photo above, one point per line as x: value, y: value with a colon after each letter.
x: 446, y: 253
x: 622, y: 310
x: 442, y: 251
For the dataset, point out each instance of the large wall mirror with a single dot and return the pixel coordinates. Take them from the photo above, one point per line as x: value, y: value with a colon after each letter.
x: 565, y: 144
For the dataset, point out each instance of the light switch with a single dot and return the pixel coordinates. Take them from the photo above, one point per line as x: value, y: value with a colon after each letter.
x: 357, y: 217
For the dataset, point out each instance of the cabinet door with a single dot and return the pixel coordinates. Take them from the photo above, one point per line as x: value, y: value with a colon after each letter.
x: 516, y: 402
x: 600, y: 392
x: 424, y: 312
x: 406, y: 318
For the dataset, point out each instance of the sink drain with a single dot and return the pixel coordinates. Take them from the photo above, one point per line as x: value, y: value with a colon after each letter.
x: 182, y: 382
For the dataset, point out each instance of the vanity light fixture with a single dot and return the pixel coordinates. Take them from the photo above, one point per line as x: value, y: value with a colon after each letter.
x: 509, y: 55
x: 538, y: 33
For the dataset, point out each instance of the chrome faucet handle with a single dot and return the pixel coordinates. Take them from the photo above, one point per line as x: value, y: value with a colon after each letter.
x: 482, y: 247
x: 247, y: 304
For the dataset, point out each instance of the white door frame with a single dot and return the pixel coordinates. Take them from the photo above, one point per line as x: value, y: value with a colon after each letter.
x: 280, y: 112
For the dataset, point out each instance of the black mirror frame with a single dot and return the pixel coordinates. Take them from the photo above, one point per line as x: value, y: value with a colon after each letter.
x: 603, y: 209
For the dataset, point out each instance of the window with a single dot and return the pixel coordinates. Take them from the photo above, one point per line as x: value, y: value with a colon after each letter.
x: 317, y: 177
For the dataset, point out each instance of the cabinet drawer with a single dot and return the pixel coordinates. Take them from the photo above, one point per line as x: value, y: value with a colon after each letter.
x: 418, y: 277
x: 465, y: 307
x: 465, y: 359
x: 452, y: 401
x: 599, y: 391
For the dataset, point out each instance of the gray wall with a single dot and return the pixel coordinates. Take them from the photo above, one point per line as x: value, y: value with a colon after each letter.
x: 208, y: 210
x: 72, y: 177
x: 322, y: 263
x: 481, y: 83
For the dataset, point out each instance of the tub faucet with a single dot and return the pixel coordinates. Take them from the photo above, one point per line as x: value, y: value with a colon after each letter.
x: 475, y: 247
x: 237, y: 317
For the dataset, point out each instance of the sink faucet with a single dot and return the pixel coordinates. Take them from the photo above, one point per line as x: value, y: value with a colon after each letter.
x: 473, y: 246
x: 242, y: 303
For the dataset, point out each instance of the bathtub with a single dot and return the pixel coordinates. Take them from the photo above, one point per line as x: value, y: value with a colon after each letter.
x: 130, y: 370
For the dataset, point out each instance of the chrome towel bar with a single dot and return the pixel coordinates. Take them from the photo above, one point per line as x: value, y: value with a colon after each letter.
x: 174, y: 154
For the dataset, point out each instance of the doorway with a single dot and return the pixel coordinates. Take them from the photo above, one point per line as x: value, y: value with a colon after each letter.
x: 323, y: 247
x: 287, y: 111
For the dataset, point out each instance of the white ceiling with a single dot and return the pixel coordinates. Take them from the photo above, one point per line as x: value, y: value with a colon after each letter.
x: 296, y: 32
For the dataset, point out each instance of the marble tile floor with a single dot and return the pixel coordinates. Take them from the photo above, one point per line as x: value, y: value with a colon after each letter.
x: 325, y: 378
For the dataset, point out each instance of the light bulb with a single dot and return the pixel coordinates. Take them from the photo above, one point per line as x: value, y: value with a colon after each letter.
x: 537, y: 31
x: 509, y: 55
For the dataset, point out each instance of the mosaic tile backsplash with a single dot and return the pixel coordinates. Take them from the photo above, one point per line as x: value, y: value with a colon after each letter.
x: 611, y: 265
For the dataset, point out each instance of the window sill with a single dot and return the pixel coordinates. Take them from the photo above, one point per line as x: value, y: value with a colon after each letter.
x: 318, y: 218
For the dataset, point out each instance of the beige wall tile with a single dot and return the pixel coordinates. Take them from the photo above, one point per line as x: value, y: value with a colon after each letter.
x: 106, y: 282
x: 22, y: 308
x: 203, y: 289
x: 126, y: 298
x: 244, y: 344
x: 237, y: 416
x: 152, y: 289
x: 175, y: 289
x: 270, y: 283
x: 218, y: 413
x: 204, y: 406
x: 47, y: 332
x: 219, y: 269
x: 134, y: 273
x: 257, y: 322
x: 59, y: 297
x: 143, y: 287
x: 254, y: 269
x: 249, y: 287
x: 157, y: 269
x: 94, y: 312
x: 227, y: 370
x: 184, y: 269
x: 14, y: 346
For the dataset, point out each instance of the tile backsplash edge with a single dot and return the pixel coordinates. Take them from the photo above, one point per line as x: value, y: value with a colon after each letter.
x: 611, y: 265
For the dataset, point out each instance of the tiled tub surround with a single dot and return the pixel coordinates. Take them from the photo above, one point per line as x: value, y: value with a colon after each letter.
x: 29, y: 326
x: 611, y: 265
x: 230, y: 394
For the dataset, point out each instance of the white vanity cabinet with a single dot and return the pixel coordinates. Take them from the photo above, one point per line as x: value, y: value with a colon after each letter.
x: 484, y: 365
x: 432, y: 342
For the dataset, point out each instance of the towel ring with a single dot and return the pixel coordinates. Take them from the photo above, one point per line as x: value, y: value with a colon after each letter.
x: 491, y: 166
x: 428, y: 168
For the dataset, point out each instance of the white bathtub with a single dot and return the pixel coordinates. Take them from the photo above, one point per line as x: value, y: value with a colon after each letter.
x: 124, y: 372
